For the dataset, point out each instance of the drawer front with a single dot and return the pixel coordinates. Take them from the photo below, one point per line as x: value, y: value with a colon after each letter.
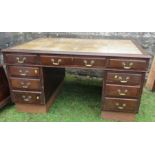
x: 27, y: 97
x: 121, y: 105
x: 56, y: 61
x: 25, y: 84
x: 90, y: 62
x: 17, y: 71
x: 127, y: 64
x: 122, y: 91
x: 124, y: 78
x: 20, y: 59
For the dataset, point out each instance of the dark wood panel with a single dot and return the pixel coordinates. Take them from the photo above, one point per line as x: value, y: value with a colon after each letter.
x: 25, y: 84
x: 3, y: 78
x: 122, y: 91
x: 4, y: 91
x: 52, y: 77
x: 121, y: 105
x: 124, y: 78
x: 18, y: 71
x: 4, y: 88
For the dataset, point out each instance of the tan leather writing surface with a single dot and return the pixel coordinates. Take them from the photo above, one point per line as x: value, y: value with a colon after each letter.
x: 81, y: 45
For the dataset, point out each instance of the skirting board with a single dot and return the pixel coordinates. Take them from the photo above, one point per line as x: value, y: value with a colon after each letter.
x: 118, y: 116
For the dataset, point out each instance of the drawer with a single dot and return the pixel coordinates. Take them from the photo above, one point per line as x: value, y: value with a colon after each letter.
x: 20, y: 59
x: 122, y: 91
x: 28, y: 97
x: 90, y: 62
x: 18, y: 71
x: 121, y: 105
x: 127, y: 64
x: 25, y: 84
x: 124, y: 78
x: 56, y: 60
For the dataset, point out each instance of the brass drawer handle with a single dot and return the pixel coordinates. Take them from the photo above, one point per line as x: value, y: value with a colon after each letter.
x: 20, y: 61
x: 121, y: 80
x: 37, y: 97
x: 22, y: 73
x: 56, y: 63
x: 122, y: 93
x: 89, y: 65
x: 127, y: 65
x: 36, y: 71
x: 120, y: 107
x: 27, y: 99
x: 25, y: 85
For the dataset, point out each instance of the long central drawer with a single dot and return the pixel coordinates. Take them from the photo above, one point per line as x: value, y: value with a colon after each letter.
x: 76, y: 61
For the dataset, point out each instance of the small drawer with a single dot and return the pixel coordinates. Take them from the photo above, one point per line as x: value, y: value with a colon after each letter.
x: 25, y: 84
x: 20, y: 59
x: 122, y: 91
x: 121, y: 105
x: 27, y: 97
x: 124, y: 78
x: 90, y: 62
x: 17, y: 71
x: 127, y: 64
x: 55, y: 60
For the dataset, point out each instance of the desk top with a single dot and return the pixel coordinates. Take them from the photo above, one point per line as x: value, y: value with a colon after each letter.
x: 83, y: 46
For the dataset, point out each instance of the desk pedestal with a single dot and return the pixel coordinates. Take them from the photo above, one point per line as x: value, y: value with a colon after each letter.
x: 32, y: 108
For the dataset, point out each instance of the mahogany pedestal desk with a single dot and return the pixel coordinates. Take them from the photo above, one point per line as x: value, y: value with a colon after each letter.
x: 36, y: 72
